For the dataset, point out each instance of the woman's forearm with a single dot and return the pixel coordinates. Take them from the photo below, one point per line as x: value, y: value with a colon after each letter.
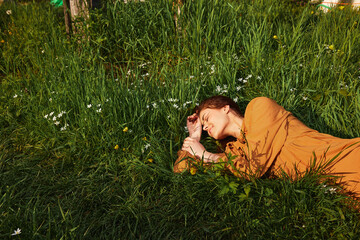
x: 211, y: 157
x: 196, y: 134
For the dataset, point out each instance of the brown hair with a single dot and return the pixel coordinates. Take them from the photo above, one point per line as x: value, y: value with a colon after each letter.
x: 217, y: 102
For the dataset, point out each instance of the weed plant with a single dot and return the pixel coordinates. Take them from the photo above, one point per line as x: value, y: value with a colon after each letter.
x: 90, y: 126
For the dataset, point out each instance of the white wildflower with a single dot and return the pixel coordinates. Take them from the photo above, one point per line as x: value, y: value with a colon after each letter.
x: 8, y: 12
x: 250, y: 76
x: 240, y: 79
x: 142, y: 65
x: 51, y: 114
x: 16, y: 232
x: 304, y: 98
x: 99, y: 105
x: 116, y: 79
x: 176, y: 106
x: 64, y: 127
x: 46, y: 116
x: 236, y: 99
x: 343, y: 86
x: 147, y: 106
x: 172, y: 100
x: 258, y: 77
x: 89, y: 105
x: 57, y: 123
x: 191, y: 77
x: 147, y: 146
x: 99, y: 110
x: 54, y: 118
x: 42, y: 51
x: 154, y: 105
x: 218, y: 88
x: 186, y: 129
x: 225, y: 86
x: 332, y: 190
x: 238, y: 88
x: 60, y: 115
x: 292, y: 89
x: 15, y: 96
x: 50, y: 99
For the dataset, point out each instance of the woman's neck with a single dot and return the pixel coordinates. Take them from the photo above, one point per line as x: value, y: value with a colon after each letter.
x: 235, y: 125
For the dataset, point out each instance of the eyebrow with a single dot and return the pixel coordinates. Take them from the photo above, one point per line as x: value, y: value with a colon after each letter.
x: 203, y: 118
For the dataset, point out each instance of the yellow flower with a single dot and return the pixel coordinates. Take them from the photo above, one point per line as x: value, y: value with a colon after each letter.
x: 125, y: 129
x: 2, y: 41
x: 116, y: 147
x: 341, y: 7
x: 312, y: 12
x: 150, y: 160
x: 331, y: 47
x: 124, y: 149
x: 193, y: 170
x: 144, y: 138
x: 275, y: 37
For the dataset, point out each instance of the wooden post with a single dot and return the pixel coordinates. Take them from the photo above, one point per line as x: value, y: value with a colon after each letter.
x: 66, y: 5
x: 177, y: 4
x: 79, y: 10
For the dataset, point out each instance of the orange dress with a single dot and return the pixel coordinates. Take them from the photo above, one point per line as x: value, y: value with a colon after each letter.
x: 274, y: 141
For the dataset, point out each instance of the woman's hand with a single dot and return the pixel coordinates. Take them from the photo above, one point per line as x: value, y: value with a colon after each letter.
x: 194, y: 126
x: 194, y: 147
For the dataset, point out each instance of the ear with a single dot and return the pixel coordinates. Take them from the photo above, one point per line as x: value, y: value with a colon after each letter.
x: 226, y: 108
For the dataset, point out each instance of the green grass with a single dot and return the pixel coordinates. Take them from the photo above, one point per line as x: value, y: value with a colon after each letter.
x: 66, y: 180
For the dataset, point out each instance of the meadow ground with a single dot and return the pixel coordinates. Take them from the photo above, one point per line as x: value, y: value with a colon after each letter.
x: 90, y: 126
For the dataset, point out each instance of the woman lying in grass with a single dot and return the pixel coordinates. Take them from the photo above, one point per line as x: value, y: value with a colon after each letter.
x: 267, y: 141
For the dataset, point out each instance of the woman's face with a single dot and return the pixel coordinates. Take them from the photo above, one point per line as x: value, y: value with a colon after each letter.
x: 215, y: 121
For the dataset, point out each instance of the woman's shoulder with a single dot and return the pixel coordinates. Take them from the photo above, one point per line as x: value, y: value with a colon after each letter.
x: 262, y: 104
x: 264, y: 110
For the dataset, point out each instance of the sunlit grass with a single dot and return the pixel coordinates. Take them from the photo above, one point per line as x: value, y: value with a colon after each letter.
x: 90, y: 128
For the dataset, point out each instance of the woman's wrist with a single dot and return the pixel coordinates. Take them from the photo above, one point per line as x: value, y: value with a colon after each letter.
x: 210, y: 157
x: 195, y: 136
